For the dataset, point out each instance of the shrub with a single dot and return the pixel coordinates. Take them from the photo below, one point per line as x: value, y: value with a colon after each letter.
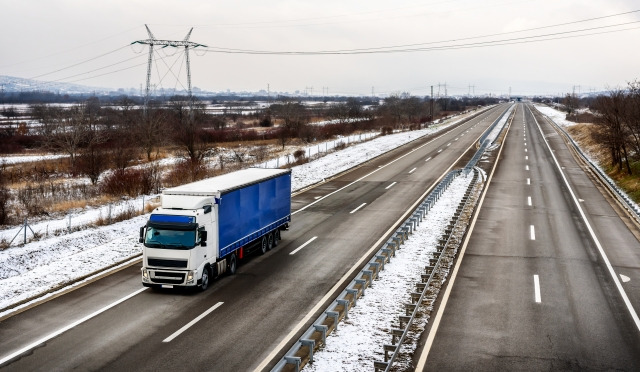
x: 386, y: 130
x: 131, y: 182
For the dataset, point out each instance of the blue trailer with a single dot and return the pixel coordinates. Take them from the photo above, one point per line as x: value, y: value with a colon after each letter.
x: 203, y: 228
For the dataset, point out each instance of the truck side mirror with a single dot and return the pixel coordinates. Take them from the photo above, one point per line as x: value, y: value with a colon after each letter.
x: 141, y: 240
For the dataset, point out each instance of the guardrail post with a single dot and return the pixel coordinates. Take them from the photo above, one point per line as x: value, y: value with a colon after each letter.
x: 354, y: 293
x: 387, y: 349
x: 335, y: 315
x: 310, y: 344
x: 296, y: 361
x: 363, y: 284
x: 345, y: 304
x: 322, y: 329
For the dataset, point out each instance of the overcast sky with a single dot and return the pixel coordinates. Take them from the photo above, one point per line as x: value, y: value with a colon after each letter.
x: 87, y: 42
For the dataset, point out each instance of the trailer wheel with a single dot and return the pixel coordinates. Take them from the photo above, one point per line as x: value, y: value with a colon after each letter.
x: 276, y: 237
x: 233, y: 264
x: 271, y: 241
x: 264, y: 245
x: 204, y: 282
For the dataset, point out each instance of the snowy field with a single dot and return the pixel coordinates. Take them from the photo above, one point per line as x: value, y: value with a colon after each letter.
x: 40, y: 266
x: 358, y: 341
x: 559, y: 117
x: 29, y: 158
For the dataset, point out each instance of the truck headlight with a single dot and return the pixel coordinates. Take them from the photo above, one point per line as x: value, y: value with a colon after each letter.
x: 145, y: 274
x: 190, y: 276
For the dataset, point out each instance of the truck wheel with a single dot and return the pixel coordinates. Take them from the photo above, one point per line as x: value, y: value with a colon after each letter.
x: 233, y: 264
x: 271, y: 239
x: 204, y: 282
x: 264, y: 245
x: 276, y: 237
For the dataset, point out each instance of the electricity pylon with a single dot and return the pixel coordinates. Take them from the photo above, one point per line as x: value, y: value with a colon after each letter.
x: 152, y: 41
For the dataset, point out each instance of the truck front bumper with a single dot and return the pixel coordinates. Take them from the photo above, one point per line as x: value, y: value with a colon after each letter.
x: 168, y: 277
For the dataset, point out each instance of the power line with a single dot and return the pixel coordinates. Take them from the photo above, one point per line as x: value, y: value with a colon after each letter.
x: 401, y: 48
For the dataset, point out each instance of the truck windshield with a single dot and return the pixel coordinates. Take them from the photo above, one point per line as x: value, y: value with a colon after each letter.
x: 170, y: 239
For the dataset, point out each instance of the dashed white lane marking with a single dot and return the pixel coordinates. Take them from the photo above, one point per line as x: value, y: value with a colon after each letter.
x: 526, y: 167
x: 581, y: 200
x: 528, y: 181
x: 624, y: 278
x: 532, y: 232
x: 413, y: 170
x: 70, y: 326
x: 390, y: 186
x: 448, y: 144
x: 526, y: 158
x: 439, y: 151
x: 191, y: 323
x: 525, y: 150
x: 302, y: 246
x: 536, y: 287
x: 529, y: 200
x: 429, y: 158
x: 360, y: 206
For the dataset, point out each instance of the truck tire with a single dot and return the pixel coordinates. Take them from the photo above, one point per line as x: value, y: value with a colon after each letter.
x: 270, y: 239
x: 276, y: 237
x: 233, y: 264
x: 206, y: 277
x: 264, y: 245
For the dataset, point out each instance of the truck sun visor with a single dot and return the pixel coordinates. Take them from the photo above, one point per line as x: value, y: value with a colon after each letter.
x: 167, y: 218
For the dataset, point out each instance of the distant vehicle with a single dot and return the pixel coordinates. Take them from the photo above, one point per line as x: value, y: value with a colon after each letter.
x: 203, y: 228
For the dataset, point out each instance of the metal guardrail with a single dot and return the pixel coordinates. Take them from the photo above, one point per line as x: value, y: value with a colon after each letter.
x: 315, y: 336
x: 622, y: 197
x: 398, y: 334
x: 484, y: 143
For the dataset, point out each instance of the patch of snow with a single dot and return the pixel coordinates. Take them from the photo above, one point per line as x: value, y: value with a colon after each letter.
x: 359, y: 340
x: 29, y: 158
x: 559, y: 117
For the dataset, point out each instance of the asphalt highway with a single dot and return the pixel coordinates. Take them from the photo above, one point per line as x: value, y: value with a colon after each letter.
x: 534, y: 291
x: 241, y: 322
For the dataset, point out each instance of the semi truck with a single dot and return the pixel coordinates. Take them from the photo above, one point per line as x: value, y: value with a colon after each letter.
x: 202, y: 229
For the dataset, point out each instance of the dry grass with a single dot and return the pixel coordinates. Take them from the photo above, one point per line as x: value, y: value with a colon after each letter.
x: 630, y: 183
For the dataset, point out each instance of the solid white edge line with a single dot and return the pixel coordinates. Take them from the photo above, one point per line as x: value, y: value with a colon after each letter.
x: 68, y: 327
x: 536, y: 287
x: 612, y: 272
x: 191, y: 323
x: 422, y: 360
x: 532, y: 232
x: 413, y: 170
x: 358, y: 264
x: 302, y: 246
x: 390, y: 186
x: 360, y: 206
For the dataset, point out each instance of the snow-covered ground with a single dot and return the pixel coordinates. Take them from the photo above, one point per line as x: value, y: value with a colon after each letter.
x: 358, y: 341
x: 29, y: 158
x: 39, y: 266
x: 559, y: 117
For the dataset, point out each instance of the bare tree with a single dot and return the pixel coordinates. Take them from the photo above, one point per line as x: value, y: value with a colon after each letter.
x: 611, y: 129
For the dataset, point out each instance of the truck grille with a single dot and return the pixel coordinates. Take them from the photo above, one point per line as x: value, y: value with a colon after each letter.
x: 158, y: 262
x: 164, y: 277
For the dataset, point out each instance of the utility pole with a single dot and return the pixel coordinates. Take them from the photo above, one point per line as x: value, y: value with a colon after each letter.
x: 152, y: 41
x: 431, y: 104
